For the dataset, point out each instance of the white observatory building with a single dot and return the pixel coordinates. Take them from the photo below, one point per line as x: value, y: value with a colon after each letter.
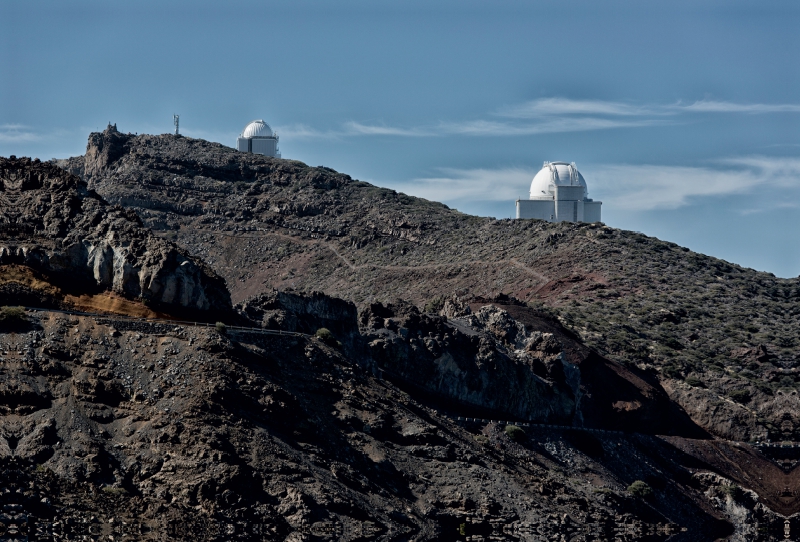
x: 559, y: 194
x: 258, y: 138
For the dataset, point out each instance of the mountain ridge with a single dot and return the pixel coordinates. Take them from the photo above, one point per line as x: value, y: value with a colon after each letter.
x: 439, y: 315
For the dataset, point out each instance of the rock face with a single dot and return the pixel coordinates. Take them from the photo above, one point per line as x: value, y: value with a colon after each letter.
x: 52, y: 223
x: 467, y: 363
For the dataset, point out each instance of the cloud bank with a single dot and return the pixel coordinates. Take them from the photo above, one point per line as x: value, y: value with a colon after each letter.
x: 550, y: 115
x: 626, y: 186
x: 16, y: 133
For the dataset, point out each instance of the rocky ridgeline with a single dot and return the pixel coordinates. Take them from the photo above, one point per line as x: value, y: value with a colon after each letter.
x: 53, y: 224
x: 264, y: 223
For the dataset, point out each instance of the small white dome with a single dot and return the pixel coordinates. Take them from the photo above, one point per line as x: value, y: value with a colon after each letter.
x: 257, y: 128
x: 556, y: 173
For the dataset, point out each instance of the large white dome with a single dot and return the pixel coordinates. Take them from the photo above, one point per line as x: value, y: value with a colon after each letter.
x: 556, y: 173
x: 257, y: 128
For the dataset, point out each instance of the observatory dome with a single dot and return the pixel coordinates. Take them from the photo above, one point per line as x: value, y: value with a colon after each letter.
x: 257, y: 128
x: 556, y: 173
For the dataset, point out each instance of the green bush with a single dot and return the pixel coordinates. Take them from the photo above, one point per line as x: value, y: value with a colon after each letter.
x: 324, y: 334
x: 514, y: 432
x: 740, y: 396
x: 434, y: 305
x: 114, y: 490
x: 221, y: 328
x: 640, y: 489
x: 672, y: 371
x: 695, y: 382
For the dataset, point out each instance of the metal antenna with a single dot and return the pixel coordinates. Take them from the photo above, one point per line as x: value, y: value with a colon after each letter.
x: 176, y: 119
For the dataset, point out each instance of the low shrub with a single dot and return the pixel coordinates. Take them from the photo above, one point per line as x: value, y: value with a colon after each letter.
x: 514, y: 432
x: 672, y: 372
x: 695, y: 382
x: 434, y: 305
x: 13, y: 316
x: 110, y: 490
x: 740, y: 396
x: 324, y: 334
x: 221, y: 328
x: 640, y: 489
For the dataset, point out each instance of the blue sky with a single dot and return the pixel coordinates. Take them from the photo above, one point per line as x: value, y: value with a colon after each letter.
x: 684, y: 117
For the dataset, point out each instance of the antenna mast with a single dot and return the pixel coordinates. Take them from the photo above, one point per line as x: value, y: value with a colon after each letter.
x: 175, y: 120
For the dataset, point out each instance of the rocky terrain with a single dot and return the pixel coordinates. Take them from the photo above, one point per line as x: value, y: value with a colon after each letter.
x: 54, y: 230
x: 391, y: 370
x: 721, y: 339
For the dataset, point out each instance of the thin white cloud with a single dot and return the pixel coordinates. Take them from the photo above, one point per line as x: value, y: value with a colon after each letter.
x: 545, y: 126
x: 710, y: 106
x: 471, y: 184
x: 302, y: 131
x: 492, y: 128
x: 564, y: 106
x: 622, y: 186
x: 649, y: 187
x: 357, y: 128
x: 16, y: 133
x: 549, y: 115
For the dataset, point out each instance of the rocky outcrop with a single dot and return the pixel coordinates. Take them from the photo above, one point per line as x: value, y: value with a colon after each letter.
x: 650, y: 305
x: 467, y: 363
x: 52, y: 223
x: 308, y: 313
x: 305, y: 313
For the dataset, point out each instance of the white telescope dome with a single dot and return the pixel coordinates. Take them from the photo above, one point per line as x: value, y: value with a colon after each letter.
x: 556, y: 173
x: 257, y: 128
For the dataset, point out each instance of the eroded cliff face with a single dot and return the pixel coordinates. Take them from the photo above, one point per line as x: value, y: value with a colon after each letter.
x: 51, y: 222
x: 463, y: 361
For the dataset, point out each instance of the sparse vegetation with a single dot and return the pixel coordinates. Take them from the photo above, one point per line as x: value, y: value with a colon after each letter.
x: 13, y: 316
x: 694, y: 382
x: 324, y: 334
x: 740, y: 396
x: 640, y: 489
x: 434, y: 305
x: 514, y: 432
x: 111, y: 490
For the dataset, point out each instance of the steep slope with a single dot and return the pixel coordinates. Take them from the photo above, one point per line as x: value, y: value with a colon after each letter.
x: 722, y: 338
x: 61, y: 238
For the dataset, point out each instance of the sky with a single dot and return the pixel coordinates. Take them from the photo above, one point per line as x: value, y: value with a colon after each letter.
x: 682, y: 116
